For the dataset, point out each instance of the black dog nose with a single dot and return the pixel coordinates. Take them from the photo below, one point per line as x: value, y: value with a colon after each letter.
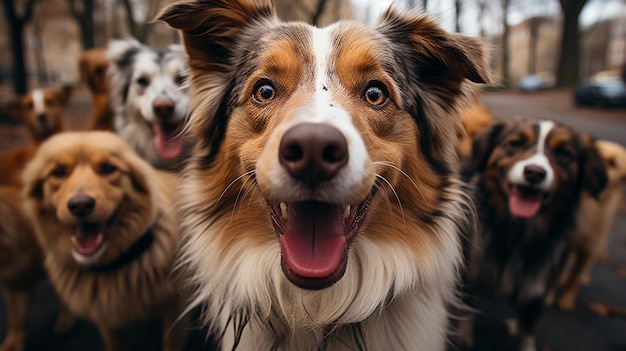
x: 81, y: 205
x: 534, y: 174
x: 313, y: 153
x: 41, y: 118
x: 163, y: 107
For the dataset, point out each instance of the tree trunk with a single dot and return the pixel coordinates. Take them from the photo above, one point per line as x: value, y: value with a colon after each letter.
x: 505, y: 44
x: 533, y: 29
x: 139, y: 30
x: 87, y: 25
x: 569, y: 56
x: 457, y: 15
x: 16, y: 38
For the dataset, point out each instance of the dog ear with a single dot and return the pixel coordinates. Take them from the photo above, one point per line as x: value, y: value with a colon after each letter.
x: 32, y: 180
x: 434, y: 67
x: 433, y: 53
x: 483, y: 145
x: 593, y: 171
x: 63, y: 94
x: 210, y: 28
x: 13, y: 108
x: 139, y: 170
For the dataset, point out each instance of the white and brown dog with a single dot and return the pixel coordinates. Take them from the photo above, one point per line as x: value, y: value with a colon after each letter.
x: 322, y: 206
x: 149, y: 100
x: 42, y: 113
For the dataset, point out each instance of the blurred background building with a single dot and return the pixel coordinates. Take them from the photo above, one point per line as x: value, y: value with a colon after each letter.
x: 57, y: 31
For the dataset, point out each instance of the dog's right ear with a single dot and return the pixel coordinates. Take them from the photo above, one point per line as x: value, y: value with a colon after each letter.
x: 32, y: 181
x: 13, y: 108
x: 210, y: 28
x: 483, y: 146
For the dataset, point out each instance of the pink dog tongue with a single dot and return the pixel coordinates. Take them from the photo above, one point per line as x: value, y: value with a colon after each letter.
x: 313, y: 243
x: 167, y: 140
x: 87, y: 238
x: 524, y: 207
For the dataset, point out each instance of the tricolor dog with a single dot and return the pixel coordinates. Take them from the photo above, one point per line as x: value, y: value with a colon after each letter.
x: 322, y: 209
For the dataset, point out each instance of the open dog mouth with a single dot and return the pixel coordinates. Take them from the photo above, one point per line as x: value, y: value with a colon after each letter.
x: 168, y: 139
x: 525, y: 201
x: 87, y: 240
x: 314, y: 239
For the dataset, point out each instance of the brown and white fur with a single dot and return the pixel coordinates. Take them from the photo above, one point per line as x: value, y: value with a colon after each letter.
x: 105, y: 220
x: 21, y: 265
x: 322, y: 209
x: 595, y: 219
x: 529, y: 178
x: 150, y: 100
x: 92, y: 66
x: 41, y: 112
x: 474, y: 119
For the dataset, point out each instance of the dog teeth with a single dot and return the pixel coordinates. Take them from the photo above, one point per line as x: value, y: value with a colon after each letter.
x: 346, y: 212
x: 283, y: 210
x: 99, y: 239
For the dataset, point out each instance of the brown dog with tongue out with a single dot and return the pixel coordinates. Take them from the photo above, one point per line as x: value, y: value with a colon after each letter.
x: 105, y: 221
x: 529, y: 177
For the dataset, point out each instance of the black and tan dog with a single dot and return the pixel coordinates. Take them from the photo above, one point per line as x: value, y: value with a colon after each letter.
x: 529, y: 175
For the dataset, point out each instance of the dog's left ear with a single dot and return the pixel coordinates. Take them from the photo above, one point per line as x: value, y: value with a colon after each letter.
x: 63, y: 94
x: 593, y: 172
x: 13, y: 108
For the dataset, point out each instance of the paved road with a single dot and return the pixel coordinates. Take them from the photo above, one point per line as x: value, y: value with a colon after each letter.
x: 558, y: 106
x: 581, y: 330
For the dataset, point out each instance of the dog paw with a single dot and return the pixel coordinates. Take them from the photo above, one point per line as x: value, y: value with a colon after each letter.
x: 512, y: 326
x: 11, y: 344
x: 567, y: 303
x: 528, y: 343
x: 65, y: 321
x: 465, y: 334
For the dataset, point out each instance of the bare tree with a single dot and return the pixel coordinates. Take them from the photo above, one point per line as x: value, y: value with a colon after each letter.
x: 482, y: 9
x: 83, y: 14
x: 505, y: 43
x: 423, y: 3
x: 140, y: 28
x: 567, y: 69
x: 458, y: 7
x: 315, y: 13
x: 533, y: 34
x: 16, y: 23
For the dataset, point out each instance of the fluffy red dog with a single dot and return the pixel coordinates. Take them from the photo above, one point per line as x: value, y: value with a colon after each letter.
x: 322, y: 206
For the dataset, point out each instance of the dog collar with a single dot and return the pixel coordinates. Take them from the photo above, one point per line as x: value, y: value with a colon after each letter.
x: 134, y: 252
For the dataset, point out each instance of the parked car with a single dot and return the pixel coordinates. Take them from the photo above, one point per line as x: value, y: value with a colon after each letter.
x: 536, y: 82
x: 601, y: 92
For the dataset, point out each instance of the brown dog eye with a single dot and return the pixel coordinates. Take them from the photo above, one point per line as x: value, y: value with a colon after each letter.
x: 107, y: 168
x: 59, y: 172
x: 375, y: 95
x: 265, y: 92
